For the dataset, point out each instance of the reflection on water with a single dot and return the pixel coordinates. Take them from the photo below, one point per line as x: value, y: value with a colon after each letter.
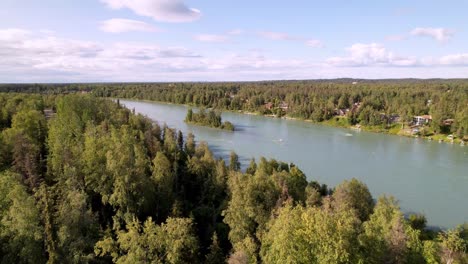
x: 427, y: 177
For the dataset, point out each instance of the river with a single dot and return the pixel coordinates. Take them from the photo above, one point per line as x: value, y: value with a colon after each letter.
x: 426, y: 177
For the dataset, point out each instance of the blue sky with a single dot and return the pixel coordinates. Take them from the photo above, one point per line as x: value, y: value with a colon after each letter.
x: 193, y: 40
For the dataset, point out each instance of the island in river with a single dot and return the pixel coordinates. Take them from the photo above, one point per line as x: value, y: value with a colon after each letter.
x: 209, y: 119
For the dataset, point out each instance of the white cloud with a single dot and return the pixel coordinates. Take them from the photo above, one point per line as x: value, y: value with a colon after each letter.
x: 219, y: 38
x: 455, y: 59
x: 34, y: 57
x: 396, y: 37
x: 439, y: 34
x: 29, y: 53
x: 276, y: 35
x: 287, y: 37
x: 314, y: 43
x: 120, y: 25
x: 13, y: 34
x: 235, y: 32
x: 211, y: 38
x: 371, y: 54
x: 38, y: 57
x: 160, y: 10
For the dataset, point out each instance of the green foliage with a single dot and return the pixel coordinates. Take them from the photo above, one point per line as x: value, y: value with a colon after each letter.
x: 96, y: 183
x: 163, y: 179
x: 252, y: 167
x: 417, y: 221
x: 234, y: 163
x: 20, y: 227
x: 210, y: 118
x: 454, y: 246
x: 370, y: 102
x: 388, y: 238
x: 171, y: 242
x: 24, y: 145
x: 215, y: 254
x: 354, y: 195
x: 311, y: 235
x: 282, y: 243
x: 250, y: 205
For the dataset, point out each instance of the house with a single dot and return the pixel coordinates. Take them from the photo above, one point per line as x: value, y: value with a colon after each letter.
x: 422, y: 120
x: 269, y: 105
x: 355, y: 107
x: 341, y: 112
x: 448, y: 122
x: 49, y: 113
x: 284, y: 106
x: 394, y: 118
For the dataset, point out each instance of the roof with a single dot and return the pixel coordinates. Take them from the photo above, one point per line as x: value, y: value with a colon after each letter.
x: 424, y: 117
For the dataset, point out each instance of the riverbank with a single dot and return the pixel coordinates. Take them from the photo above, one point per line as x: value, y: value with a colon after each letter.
x: 339, y: 122
x: 394, y: 129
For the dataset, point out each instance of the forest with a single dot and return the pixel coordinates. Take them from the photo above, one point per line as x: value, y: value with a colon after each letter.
x: 85, y: 180
x: 377, y: 105
x: 210, y: 119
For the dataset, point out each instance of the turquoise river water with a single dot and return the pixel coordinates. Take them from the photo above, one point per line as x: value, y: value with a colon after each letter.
x: 426, y: 177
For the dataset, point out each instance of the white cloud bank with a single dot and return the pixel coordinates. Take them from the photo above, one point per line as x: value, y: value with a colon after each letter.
x: 160, y: 10
x: 272, y: 35
x: 219, y: 38
x: 455, y: 59
x: 372, y: 54
x: 277, y: 35
x: 27, y: 56
x: 120, y: 25
x: 439, y: 34
x: 314, y: 43
x: 211, y: 38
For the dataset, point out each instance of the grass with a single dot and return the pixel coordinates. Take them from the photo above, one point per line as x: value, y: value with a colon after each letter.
x: 338, y: 121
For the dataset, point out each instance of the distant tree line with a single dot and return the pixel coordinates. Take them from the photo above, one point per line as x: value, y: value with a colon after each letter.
x: 95, y: 183
x: 372, y: 103
x: 210, y: 118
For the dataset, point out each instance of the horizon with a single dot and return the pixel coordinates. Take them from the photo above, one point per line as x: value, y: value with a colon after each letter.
x: 233, y: 81
x: 147, y: 41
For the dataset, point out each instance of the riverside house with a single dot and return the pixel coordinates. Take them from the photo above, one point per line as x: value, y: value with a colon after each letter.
x: 422, y: 120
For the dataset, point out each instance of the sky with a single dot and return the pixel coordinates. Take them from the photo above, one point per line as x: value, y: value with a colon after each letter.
x: 242, y: 40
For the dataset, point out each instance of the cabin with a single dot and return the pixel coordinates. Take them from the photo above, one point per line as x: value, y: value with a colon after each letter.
x: 355, y: 107
x: 49, y: 113
x: 448, y: 122
x: 422, y: 120
x: 341, y: 112
x: 394, y: 118
x: 284, y: 106
x: 269, y: 105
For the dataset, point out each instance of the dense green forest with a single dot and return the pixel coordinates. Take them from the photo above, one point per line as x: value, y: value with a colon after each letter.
x: 84, y: 180
x: 377, y: 105
x: 210, y: 119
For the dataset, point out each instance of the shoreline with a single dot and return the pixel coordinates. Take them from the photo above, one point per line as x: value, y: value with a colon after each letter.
x: 438, y: 137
